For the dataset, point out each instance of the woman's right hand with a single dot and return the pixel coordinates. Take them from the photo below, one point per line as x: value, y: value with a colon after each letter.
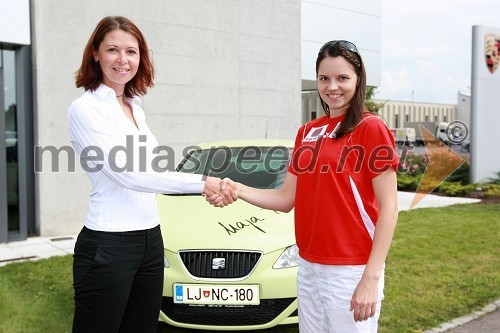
x: 234, y: 185
x: 218, y: 192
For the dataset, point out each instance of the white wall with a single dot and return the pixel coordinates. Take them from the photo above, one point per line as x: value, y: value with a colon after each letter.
x: 355, y: 21
x: 226, y: 69
x: 15, y: 22
x: 485, y: 109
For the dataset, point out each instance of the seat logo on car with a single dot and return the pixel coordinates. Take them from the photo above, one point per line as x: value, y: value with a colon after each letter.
x: 219, y: 263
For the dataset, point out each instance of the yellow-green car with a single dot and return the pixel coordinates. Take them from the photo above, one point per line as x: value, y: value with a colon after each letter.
x: 231, y: 268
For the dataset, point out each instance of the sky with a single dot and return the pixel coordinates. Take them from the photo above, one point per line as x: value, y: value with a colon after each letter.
x: 426, y: 47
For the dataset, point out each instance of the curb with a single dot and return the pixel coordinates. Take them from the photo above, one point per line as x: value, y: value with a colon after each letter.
x: 465, y: 319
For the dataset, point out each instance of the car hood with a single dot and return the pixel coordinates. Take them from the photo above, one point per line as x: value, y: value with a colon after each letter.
x: 189, y: 222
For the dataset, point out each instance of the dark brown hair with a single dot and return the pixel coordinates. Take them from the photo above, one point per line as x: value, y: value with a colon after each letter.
x: 357, y: 104
x: 90, y: 74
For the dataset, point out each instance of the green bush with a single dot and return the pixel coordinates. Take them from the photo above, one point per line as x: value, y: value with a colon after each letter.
x: 413, y: 164
x: 413, y: 167
x: 456, y: 189
x: 491, y: 190
x: 407, y: 182
x: 461, y: 174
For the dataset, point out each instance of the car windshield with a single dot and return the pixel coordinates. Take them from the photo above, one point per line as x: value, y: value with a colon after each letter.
x: 260, y: 167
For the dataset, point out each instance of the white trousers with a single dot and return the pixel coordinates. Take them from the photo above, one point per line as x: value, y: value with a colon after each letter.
x: 324, y: 296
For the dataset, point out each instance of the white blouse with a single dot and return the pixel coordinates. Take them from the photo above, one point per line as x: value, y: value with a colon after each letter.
x: 119, y: 159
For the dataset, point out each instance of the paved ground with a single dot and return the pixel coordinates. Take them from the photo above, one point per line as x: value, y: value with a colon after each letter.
x: 36, y: 248
x: 405, y: 200
x: 489, y: 323
x: 485, y: 321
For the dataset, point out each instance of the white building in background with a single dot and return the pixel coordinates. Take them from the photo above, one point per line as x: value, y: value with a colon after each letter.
x: 225, y: 70
x: 396, y: 113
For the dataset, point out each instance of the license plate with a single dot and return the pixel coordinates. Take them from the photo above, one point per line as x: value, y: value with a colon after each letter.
x: 216, y: 294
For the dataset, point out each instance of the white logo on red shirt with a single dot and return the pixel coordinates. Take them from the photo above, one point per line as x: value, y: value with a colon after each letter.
x: 315, y: 133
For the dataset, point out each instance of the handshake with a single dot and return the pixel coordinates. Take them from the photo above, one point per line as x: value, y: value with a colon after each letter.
x: 220, y: 192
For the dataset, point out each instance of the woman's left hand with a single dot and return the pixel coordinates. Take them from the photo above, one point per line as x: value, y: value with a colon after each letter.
x: 364, y: 299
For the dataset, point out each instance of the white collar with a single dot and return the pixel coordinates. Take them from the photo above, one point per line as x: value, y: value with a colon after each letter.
x: 104, y: 91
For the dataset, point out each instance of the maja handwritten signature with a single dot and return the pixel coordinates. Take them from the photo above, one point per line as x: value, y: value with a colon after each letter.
x: 232, y: 228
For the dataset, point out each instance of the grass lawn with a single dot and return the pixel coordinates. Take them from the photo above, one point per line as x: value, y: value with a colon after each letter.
x: 444, y: 263
x: 37, y: 296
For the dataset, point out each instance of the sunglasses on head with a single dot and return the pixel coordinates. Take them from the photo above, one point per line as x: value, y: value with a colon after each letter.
x: 342, y: 43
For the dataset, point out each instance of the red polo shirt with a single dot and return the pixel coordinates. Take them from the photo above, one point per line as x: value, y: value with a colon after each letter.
x: 335, y: 207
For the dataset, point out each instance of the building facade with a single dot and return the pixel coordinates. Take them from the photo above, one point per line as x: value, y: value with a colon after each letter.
x: 395, y: 113
x: 225, y: 69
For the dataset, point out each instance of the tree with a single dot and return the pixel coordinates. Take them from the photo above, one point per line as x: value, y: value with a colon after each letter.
x: 370, y: 103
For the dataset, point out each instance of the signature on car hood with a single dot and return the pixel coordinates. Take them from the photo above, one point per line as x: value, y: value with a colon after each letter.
x: 189, y: 222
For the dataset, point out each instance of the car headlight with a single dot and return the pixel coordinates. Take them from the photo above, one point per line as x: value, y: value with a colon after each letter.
x: 165, y: 262
x: 289, y: 258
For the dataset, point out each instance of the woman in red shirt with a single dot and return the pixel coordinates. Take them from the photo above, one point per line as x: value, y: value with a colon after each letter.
x: 342, y: 183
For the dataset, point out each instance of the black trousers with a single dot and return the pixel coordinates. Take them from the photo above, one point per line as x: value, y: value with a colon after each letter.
x: 118, y: 281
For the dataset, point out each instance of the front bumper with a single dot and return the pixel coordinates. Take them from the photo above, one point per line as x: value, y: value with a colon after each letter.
x: 278, y: 298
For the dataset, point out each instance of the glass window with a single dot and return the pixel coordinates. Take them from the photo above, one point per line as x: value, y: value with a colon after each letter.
x: 261, y: 167
x: 10, y: 119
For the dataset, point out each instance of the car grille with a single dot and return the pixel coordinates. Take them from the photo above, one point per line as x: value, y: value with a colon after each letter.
x: 225, y: 316
x: 237, y: 264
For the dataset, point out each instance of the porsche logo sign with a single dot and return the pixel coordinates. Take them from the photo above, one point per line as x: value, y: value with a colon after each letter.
x: 492, y: 51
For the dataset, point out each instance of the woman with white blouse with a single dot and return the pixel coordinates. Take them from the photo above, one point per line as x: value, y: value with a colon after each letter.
x: 118, y: 260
